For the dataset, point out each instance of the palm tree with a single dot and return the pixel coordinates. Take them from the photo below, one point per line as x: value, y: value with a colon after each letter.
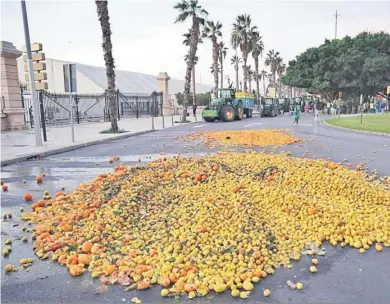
x: 222, y: 50
x: 186, y: 42
x: 104, y: 18
x: 280, y: 69
x: 213, y: 31
x: 190, y: 9
x: 193, y: 78
x: 269, y: 78
x: 250, y: 77
x: 257, y: 51
x: 235, y: 60
x: 212, y: 69
x: 263, y: 74
x: 242, y: 31
x: 272, y: 62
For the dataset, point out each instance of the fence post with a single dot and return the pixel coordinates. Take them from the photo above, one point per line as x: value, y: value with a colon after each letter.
x: 42, y: 115
x: 117, y: 103
x: 30, y: 113
x: 136, y: 106
x: 152, y: 122
x: 76, y: 101
x: 163, y: 121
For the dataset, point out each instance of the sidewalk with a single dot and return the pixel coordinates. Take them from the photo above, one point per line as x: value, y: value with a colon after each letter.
x: 20, y: 145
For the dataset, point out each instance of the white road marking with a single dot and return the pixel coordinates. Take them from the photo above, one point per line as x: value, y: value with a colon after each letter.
x: 253, y: 124
x: 308, y: 125
x: 198, y: 126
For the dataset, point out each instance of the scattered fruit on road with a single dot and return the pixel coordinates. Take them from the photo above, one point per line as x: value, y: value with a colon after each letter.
x: 217, y: 223
x: 267, y: 293
x: 249, y: 138
x: 299, y: 286
x: 9, y: 268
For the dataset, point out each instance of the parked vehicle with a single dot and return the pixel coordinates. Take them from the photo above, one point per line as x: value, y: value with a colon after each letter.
x: 228, y: 105
x: 270, y: 107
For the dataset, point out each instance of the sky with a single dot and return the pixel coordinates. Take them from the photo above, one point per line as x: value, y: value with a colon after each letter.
x: 146, y: 40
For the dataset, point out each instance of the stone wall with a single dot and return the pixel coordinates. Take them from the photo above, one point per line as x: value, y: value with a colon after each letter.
x: 12, y: 112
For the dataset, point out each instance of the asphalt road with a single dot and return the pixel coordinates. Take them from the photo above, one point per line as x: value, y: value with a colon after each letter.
x: 344, y: 275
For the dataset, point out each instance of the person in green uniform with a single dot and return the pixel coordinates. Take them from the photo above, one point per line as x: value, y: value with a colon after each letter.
x: 297, y: 113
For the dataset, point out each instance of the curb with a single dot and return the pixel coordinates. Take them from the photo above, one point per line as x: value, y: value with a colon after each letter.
x: 27, y: 157
x: 355, y: 131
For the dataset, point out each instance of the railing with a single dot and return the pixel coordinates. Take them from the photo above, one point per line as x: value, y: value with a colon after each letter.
x: 90, y: 107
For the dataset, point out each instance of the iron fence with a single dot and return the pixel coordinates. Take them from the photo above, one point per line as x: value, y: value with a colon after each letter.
x: 90, y: 107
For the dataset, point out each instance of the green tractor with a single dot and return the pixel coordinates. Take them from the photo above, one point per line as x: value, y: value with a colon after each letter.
x: 228, y: 105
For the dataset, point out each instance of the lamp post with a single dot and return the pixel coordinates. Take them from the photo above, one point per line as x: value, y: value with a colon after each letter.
x: 37, y: 128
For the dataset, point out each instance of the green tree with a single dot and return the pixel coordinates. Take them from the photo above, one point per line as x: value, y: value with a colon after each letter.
x: 222, y: 50
x: 104, y: 19
x: 242, y: 31
x: 235, y: 60
x: 212, y: 31
x: 354, y: 66
x: 257, y: 51
x: 190, y: 9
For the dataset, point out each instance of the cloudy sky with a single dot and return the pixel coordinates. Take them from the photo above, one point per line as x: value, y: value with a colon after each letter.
x: 146, y: 40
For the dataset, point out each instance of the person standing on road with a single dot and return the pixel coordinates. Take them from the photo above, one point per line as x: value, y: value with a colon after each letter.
x: 297, y: 114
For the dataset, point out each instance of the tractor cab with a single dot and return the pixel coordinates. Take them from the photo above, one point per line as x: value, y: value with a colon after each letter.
x: 226, y: 93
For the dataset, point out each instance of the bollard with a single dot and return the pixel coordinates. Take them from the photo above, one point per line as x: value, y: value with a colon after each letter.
x: 152, y: 122
x: 172, y: 120
x: 163, y: 121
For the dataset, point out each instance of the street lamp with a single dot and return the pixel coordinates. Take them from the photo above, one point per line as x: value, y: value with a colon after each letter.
x: 38, y: 138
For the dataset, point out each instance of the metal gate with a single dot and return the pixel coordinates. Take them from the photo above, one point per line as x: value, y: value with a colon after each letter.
x: 136, y: 105
x: 89, y: 107
x: 131, y: 105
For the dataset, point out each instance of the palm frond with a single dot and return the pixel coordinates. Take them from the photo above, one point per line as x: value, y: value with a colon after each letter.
x: 182, y: 17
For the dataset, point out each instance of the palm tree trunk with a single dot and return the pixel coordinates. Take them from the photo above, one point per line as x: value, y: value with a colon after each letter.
x: 190, y: 65
x: 215, y: 63
x: 193, y: 86
x: 237, y: 87
x: 264, y: 92
x: 104, y: 18
x: 280, y: 86
x: 221, y: 63
x: 250, y: 85
x: 257, y: 78
x: 244, y: 67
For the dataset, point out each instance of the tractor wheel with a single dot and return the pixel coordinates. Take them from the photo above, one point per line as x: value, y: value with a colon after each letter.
x: 227, y: 113
x: 209, y: 119
x: 240, y: 111
x: 249, y: 113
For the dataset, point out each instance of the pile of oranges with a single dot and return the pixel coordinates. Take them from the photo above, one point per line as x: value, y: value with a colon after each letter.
x: 218, y: 223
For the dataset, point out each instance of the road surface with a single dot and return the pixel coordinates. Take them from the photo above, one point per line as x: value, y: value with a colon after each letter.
x: 343, y: 275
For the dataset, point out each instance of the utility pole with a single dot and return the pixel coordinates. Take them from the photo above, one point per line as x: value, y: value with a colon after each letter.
x: 37, y: 125
x: 335, y: 27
